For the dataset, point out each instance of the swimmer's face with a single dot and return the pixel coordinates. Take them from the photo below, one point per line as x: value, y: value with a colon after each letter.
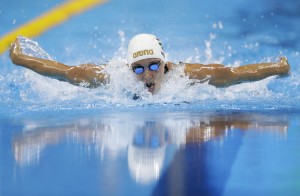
x: 148, y: 75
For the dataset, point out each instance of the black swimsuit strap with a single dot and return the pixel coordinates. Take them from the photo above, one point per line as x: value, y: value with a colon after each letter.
x: 166, y: 68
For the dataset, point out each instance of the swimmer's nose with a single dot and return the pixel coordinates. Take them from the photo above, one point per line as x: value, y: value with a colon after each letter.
x: 148, y: 74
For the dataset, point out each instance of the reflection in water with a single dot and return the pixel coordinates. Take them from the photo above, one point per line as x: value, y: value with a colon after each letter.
x: 146, y: 152
x: 143, y: 140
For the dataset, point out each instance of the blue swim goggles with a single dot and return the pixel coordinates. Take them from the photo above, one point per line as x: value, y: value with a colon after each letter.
x: 140, y: 69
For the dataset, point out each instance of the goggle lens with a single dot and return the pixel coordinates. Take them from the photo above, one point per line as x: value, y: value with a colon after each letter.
x: 154, y: 67
x: 138, y: 70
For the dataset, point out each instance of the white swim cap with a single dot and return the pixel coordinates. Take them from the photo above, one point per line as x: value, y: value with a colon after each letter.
x: 144, y: 46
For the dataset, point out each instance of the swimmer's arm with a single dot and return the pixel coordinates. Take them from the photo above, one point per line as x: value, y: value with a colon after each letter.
x: 221, y: 76
x: 87, y: 75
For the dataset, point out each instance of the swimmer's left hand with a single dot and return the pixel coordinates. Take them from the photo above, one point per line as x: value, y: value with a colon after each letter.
x: 283, y: 60
x: 284, y: 66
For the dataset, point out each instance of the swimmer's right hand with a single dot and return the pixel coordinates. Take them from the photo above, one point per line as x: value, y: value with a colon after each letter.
x: 15, y: 51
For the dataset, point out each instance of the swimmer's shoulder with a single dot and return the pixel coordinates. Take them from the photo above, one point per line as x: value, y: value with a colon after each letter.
x: 169, y: 66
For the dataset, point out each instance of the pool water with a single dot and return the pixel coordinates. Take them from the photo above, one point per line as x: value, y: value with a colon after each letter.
x: 153, y: 153
x: 59, y: 139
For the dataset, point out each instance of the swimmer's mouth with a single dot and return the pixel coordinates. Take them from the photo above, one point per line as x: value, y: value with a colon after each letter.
x: 150, y: 86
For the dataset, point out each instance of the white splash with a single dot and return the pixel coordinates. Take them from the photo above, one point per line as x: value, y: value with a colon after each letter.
x: 32, y: 48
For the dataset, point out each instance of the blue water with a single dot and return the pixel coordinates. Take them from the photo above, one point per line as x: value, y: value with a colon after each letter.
x: 151, y: 153
x: 59, y: 139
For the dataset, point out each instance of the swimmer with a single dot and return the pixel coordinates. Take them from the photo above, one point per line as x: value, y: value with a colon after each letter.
x: 146, y: 59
